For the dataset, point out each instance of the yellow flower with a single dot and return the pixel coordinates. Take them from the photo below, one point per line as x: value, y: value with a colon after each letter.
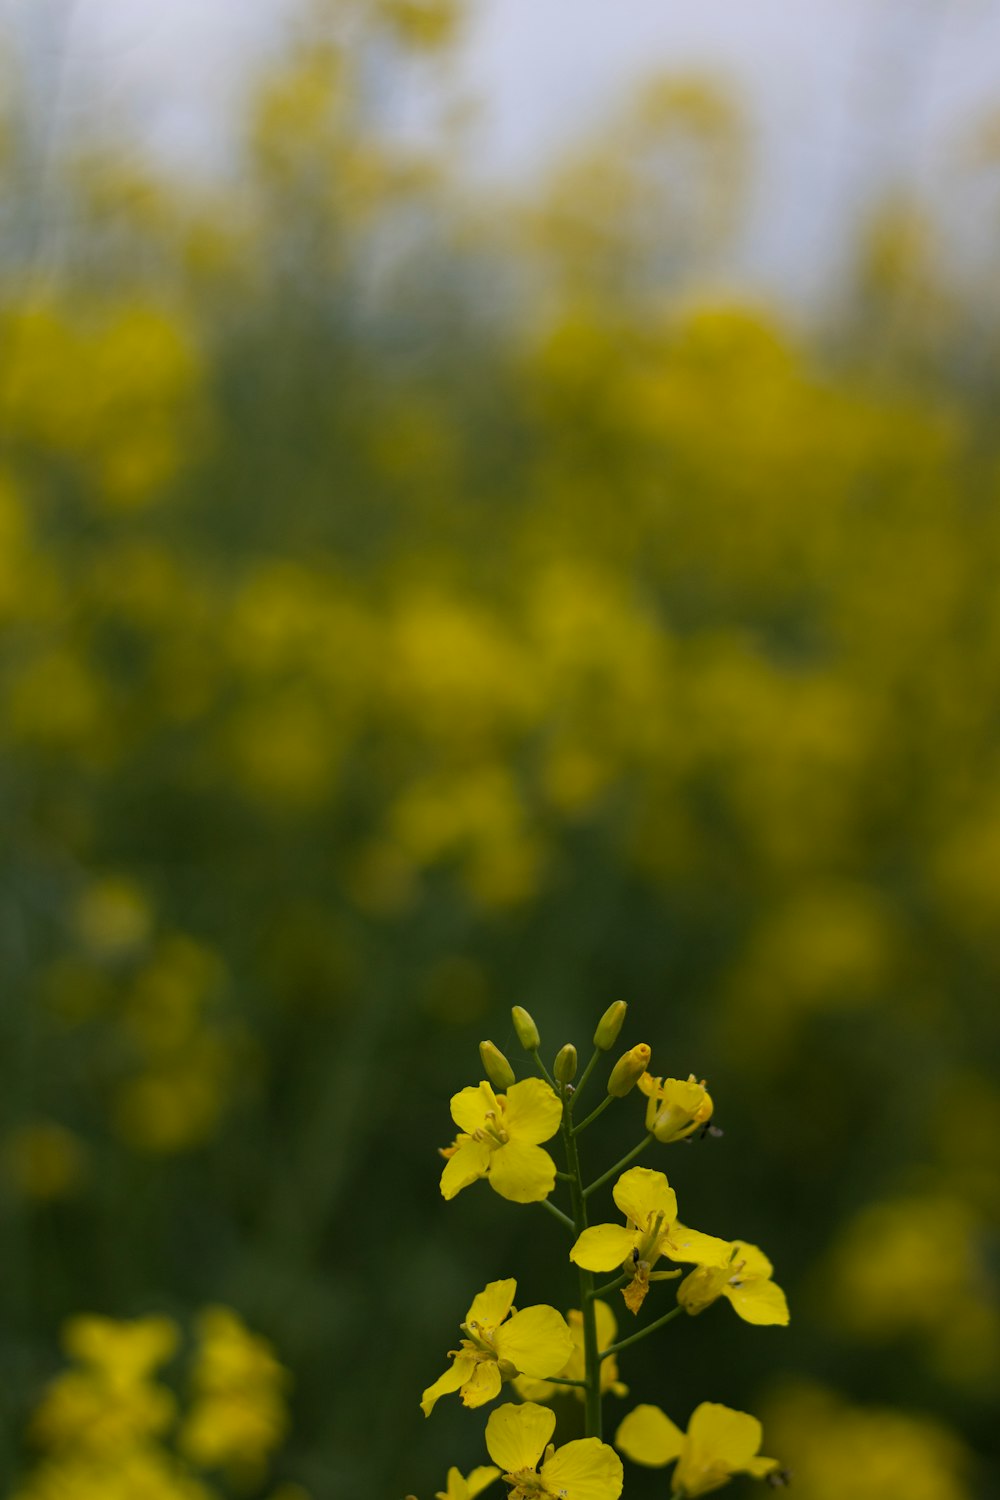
x: 458, y: 1488
x: 517, y: 1438
x: 500, y: 1140
x: 575, y: 1367
x: 746, y: 1281
x: 676, y: 1108
x: 238, y: 1416
x: 651, y: 1230
x: 534, y: 1341
x: 719, y: 1443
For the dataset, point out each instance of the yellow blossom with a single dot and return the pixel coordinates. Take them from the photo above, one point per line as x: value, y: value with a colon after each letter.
x: 500, y: 1140
x: 501, y: 1344
x: 651, y: 1230
x: 676, y: 1107
x: 575, y: 1367
x: 458, y: 1488
x: 517, y: 1438
x: 719, y: 1443
x: 238, y: 1416
x: 745, y: 1281
x: 108, y: 1400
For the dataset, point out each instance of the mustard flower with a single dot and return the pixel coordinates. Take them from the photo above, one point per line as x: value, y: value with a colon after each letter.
x: 517, y: 1439
x: 719, y: 1443
x: 575, y: 1367
x: 676, y: 1107
x: 500, y: 1140
x: 500, y: 1345
x: 459, y: 1488
x: 745, y: 1281
x: 651, y: 1230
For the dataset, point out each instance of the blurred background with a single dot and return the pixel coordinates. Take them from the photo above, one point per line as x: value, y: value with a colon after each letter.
x: 498, y: 504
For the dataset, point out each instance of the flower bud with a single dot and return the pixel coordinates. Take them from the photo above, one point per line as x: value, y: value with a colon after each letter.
x: 610, y: 1025
x: 498, y: 1069
x: 564, y: 1067
x: 527, y: 1031
x: 628, y: 1070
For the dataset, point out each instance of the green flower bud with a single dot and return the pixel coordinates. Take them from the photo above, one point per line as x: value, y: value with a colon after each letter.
x: 628, y: 1070
x: 498, y: 1069
x: 527, y: 1031
x: 564, y: 1067
x: 610, y: 1025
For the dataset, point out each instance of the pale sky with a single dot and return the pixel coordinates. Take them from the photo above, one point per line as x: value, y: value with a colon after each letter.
x: 843, y: 96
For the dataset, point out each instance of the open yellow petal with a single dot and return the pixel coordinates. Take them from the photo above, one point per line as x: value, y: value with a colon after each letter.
x: 681, y: 1243
x: 642, y: 1194
x: 717, y: 1433
x: 759, y: 1302
x: 533, y: 1113
x: 469, y: 1107
x: 522, y: 1172
x: 584, y: 1470
x: 603, y: 1247
x: 483, y: 1384
x: 467, y: 1163
x: 536, y: 1340
x: 451, y: 1380
x: 479, y: 1479
x: 751, y: 1261
x: 516, y: 1435
x: 455, y: 1487
x: 647, y: 1436
x: 491, y: 1305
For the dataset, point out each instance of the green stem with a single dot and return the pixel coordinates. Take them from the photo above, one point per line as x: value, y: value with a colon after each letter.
x: 562, y: 1380
x: 544, y: 1071
x: 593, y: 1114
x: 634, y: 1338
x: 613, y: 1171
x: 586, y: 1074
x: 557, y: 1213
x: 591, y: 1357
x: 610, y: 1286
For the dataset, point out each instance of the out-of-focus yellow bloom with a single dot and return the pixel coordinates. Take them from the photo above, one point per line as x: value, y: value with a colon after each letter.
x: 44, y: 1161
x: 517, y: 1437
x: 575, y: 1367
x: 238, y: 1415
x: 719, y: 1443
x: 745, y: 1282
x: 110, y: 1401
x: 121, y: 1474
x: 501, y: 1140
x: 500, y: 1344
x: 676, y: 1108
x: 459, y: 1488
x: 651, y: 1230
x: 113, y: 917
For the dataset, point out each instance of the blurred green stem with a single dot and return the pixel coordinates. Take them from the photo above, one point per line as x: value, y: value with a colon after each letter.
x: 591, y: 1357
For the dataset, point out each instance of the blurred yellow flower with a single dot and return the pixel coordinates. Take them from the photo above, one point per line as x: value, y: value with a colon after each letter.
x: 459, y: 1488
x: 719, y: 1443
x: 238, y: 1414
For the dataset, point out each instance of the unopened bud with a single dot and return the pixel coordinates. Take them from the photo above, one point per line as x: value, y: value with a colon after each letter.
x: 610, y: 1025
x: 498, y: 1069
x: 564, y: 1067
x: 527, y: 1031
x: 628, y: 1070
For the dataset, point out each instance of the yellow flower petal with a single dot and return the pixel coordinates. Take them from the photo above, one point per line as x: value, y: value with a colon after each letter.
x: 468, y: 1163
x: 647, y: 1436
x: 480, y: 1478
x: 451, y: 1380
x: 642, y: 1194
x: 483, y: 1384
x: 455, y: 1487
x: 491, y: 1306
x: 649, y: 1085
x: 516, y: 1435
x: 603, y: 1247
x: 759, y: 1302
x: 536, y: 1340
x: 469, y: 1107
x: 584, y: 1470
x: 533, y: 1113
x: 751, y: 1261
x: 681, y: 1243
x: 521, y: 1172
x: 718, y: 1433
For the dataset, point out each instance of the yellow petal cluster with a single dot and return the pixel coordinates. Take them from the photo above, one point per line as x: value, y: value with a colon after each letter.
x: 651, y: 1230
x: 676, y: 1107
x: 500, y: 1140
x: 499, y: 1344
x: 518, y: 1441
x: 575, y: 1367
x: 238, y: 1415
x: 745, y: 1282
x: 719, y: 1443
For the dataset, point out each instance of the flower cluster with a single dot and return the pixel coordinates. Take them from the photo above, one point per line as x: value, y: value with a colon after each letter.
x: 542, y: 1356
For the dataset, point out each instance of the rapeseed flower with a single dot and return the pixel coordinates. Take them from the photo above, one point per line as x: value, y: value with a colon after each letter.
x: 651, y: 1230
x: 745, y: 1281
x: 501, y: 1344
x: 719, y: 1443
x: 575, y: 1367
x: 500, y: 1139
x: 676, y: 1107
x: 459, y: 1488
x: 517, y: 1439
